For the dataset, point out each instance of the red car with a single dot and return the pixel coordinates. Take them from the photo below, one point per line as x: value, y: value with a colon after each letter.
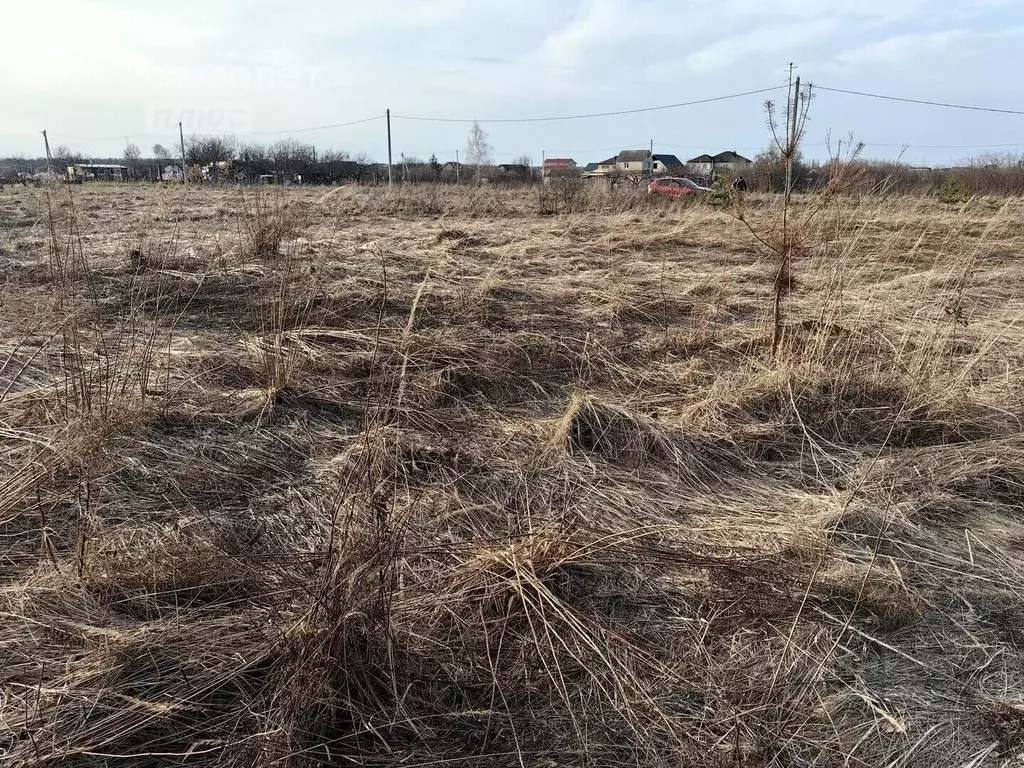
x: 673, y: 186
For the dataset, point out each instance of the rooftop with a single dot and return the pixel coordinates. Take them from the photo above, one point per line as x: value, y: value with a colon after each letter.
x: 730, y: 157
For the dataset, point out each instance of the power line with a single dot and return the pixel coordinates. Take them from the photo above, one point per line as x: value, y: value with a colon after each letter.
x: 704, y: 146
x: 616, y: 148
x: 316, y: 128
x: 733, y: 146
x: 591, y: 115
x: 112, y: 138
x: 911, y: 145
x: 626, y: 112
x: 239, y: 133
x: 920, y: 101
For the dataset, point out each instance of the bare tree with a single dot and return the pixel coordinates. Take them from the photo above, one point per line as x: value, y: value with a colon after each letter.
x: 478, y: 150
x: 525, y: 166
x: 254, y: 160
x: 163, y: 156
x: 63, y: 157
x: 203, y: 150
x: 131, y: 158
x: 364, y: 165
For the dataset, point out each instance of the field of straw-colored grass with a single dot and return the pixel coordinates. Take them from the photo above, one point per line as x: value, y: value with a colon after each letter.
x: 442, y: 477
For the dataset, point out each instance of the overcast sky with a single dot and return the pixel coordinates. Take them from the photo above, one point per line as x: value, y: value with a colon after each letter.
x: 93, y: 72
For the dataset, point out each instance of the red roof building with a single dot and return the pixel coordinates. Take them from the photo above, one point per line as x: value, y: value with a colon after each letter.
x: 559, y: 163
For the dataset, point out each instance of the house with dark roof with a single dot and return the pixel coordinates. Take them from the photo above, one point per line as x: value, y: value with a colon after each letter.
x: 629, y: 162
x: 601, y: 171
x: 633, y: 161
x: 515, y: 170
x: 666, y: 164
x: 724, y: 162
x: 732, y: 157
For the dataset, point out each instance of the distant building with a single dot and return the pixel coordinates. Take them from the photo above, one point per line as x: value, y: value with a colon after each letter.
x: 666, y: 164
x: 723, y: 162
x: 629, y: 162
x: 633, y: 161
x: 556, y: 165
x: 732, y: 161
x: 217, y: 171
x: 515, y: 170
x: 97, y: 172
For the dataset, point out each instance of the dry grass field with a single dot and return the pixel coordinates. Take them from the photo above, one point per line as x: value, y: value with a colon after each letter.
x: 448, y: 477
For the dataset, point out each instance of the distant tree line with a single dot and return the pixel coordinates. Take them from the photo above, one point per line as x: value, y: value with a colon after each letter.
x: 986, y: 175
x: 284, y: 159
x: 289, y: 159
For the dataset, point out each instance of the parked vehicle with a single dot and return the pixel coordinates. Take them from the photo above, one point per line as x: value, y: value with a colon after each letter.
x: 674, y: 186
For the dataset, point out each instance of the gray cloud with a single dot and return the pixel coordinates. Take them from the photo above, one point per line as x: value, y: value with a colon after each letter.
x: 275, y: 66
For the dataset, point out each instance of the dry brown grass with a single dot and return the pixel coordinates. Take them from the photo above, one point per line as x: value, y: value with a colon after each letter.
x: 452, y: 477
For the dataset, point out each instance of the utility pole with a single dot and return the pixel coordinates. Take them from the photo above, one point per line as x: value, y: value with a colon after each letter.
x: 184, y: 168
x: 456, y: 166
x: 789, y: 100
x: 796, y: 109
x: 388, y: 115
x: 49, y: 162
x: 543, y: 159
